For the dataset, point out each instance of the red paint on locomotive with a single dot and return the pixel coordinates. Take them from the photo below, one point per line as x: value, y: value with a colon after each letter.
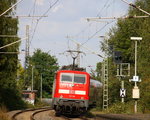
x: 71, y: 87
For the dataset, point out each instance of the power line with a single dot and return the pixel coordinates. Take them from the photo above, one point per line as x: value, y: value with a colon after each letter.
x: 125, y: 17
x: 89, y: 38
x: 33, y: 8
x: 41, y: 17
x: 33, y: 12
x: 93, y: 52
x: 50, y: 8
x: 97, y: 32
x: 105, y: 5
x: 32, y: 22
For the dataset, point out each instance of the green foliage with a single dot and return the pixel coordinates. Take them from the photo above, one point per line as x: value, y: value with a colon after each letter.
x: 121, y: 108
x: 8, y: 62
x: 145, y: 95
x: 40, y: 104
x: 96, y: 74
x: 119, y: 38
x: 9, y: 95
x: 44, y: 67
x: 20, y: 77
x: 11, y: 99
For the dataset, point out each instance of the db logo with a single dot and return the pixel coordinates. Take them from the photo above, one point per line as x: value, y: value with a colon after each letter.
x: 72, y: 92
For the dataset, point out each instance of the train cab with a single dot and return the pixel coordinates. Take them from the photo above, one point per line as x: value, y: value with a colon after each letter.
x: 71, y: 91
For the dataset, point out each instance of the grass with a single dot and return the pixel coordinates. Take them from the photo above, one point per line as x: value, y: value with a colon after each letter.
x: 3, y: 115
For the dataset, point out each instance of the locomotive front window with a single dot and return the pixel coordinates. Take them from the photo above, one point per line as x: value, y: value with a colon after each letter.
x: 66, y: 78
x: 79, y: 78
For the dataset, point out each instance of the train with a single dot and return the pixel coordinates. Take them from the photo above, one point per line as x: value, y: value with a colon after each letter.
x: 72, y: 90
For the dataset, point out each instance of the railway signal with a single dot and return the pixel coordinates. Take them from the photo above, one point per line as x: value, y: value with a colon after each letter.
x: 123, y: 70
x: 135, y: 90
x: 117, y: 57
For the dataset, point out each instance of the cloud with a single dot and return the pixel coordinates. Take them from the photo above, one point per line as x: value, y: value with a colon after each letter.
x: 58, y: 7
x: 67, y: 17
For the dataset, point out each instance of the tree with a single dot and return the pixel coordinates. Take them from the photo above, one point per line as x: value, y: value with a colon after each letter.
x: 8, y: 62
x: 45, y: 66
x: 120, y: 40
x: 96, y: 74
x: 20, y: 77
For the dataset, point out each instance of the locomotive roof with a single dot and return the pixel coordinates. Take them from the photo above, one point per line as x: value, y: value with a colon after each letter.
x: 72, y: 71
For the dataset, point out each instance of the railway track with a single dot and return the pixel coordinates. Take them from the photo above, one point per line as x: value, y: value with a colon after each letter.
x: 47, y: 113
x: 37, y: 112
x: 33, y: 112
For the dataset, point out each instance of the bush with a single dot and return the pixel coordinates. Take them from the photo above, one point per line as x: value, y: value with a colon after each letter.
x: 11, y: 99
x: 120, y: 108
x: 40, y: 104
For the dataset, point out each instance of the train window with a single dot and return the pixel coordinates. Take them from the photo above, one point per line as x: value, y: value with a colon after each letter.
x: 67, y: 78
x: 79, y: 78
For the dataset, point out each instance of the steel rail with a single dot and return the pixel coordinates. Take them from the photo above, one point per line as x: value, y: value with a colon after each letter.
x: 23, y: 111
x: 37, y: 112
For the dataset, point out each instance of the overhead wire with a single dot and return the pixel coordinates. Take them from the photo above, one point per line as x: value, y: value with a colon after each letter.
x: 89, y: 38
x: 51, y: 6
x: 98, y: 14
x: 112, y: 21
x: 32, y: 22
x: 33, y: 13
x: 33, y: 7
x: 106, y: 5
x: 103, y: 7
x: 97, y: 32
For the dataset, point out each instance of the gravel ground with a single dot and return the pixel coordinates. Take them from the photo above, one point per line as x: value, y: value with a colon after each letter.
x: 125, y: 117
x: 11, y: 113
x: 50, y: 115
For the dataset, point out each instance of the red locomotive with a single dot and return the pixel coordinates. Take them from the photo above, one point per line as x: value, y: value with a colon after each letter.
x: 71, y: 92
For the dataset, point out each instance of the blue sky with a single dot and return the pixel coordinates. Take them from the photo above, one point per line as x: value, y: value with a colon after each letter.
x: 68, y: 18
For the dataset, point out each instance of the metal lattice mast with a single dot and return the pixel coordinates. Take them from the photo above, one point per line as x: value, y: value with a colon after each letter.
x: 105, y: 83
x: 105, y: 75
x: 26, y: 64
x: 27, y: 47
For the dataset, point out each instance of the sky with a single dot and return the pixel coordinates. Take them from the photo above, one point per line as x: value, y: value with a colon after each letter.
x: 65, y: 21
